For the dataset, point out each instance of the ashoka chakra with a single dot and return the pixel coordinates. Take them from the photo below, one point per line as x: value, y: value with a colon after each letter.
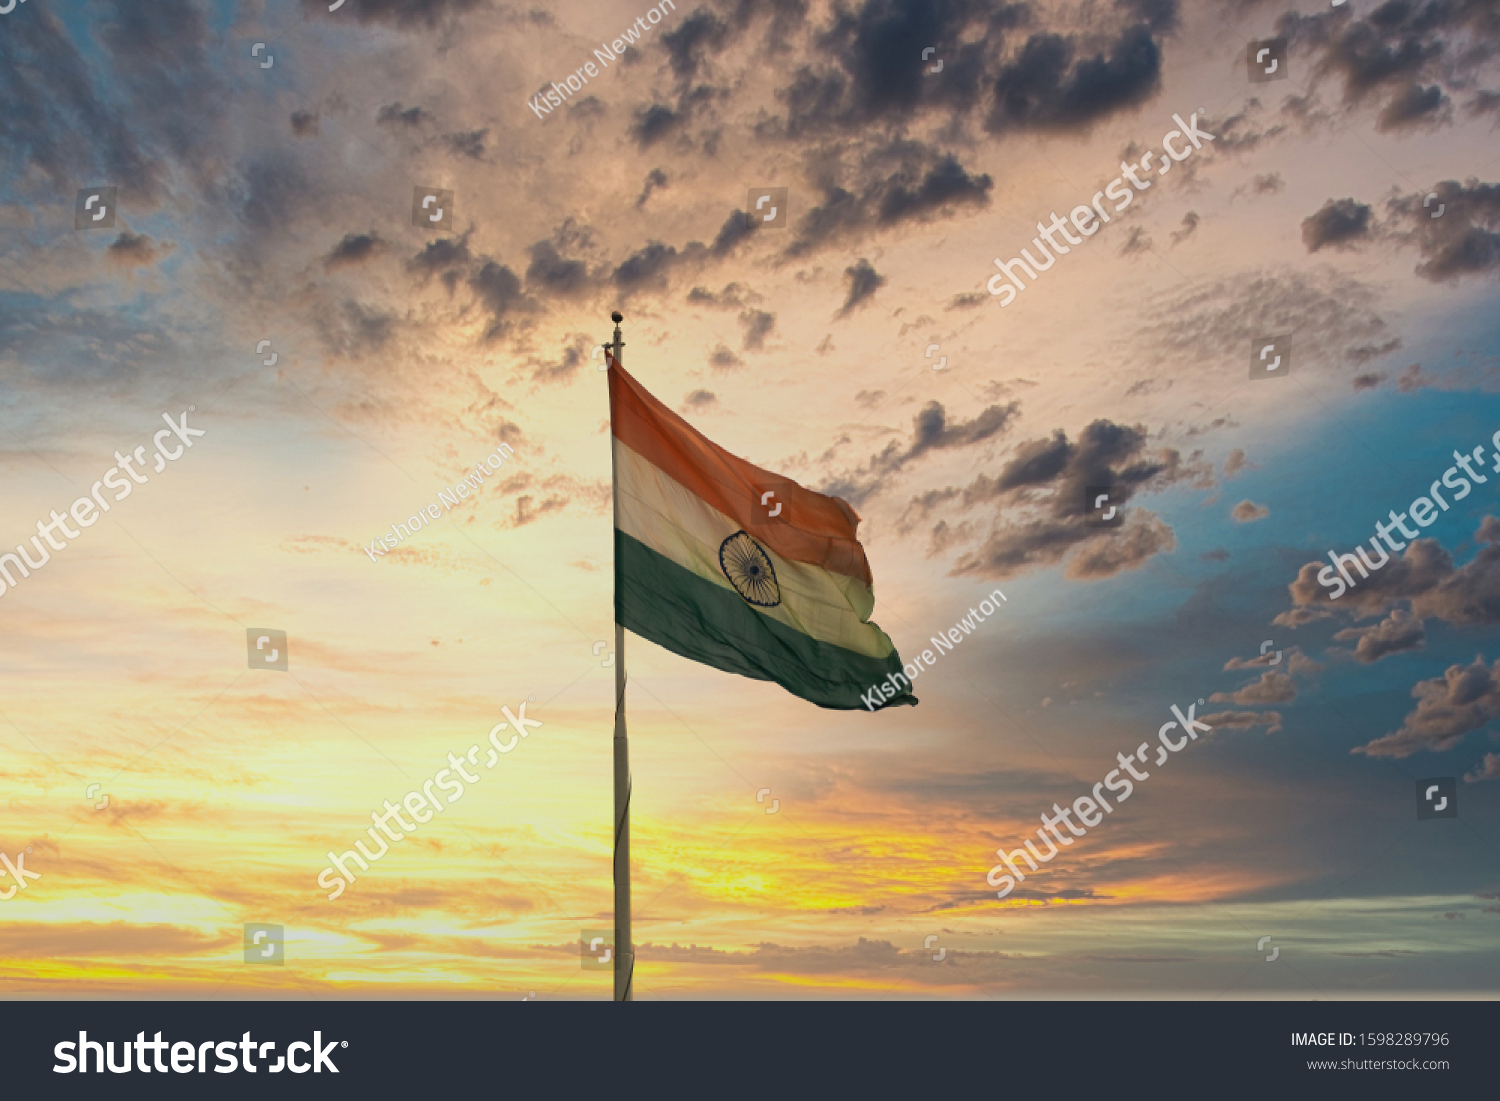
x: 749, y: 570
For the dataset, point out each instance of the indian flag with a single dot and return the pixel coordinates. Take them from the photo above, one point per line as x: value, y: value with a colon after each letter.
x: 736, y: 567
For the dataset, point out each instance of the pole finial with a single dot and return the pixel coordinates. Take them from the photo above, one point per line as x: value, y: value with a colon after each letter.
x: 617, y: 317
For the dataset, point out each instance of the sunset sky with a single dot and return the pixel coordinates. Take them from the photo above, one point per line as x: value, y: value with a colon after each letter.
x: 1351, y: 211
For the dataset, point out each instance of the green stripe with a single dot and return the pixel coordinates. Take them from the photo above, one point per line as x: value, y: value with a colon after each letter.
x: 682, y: 612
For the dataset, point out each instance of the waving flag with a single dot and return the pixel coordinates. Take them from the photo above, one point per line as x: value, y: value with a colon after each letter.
x: 736, y: 567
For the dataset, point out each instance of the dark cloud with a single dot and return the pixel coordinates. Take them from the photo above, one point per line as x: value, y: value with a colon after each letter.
x: 1340, y: 223
x: 1236, y: 462
x: 1047, y: 87
x: 469, y: 144
x: 499, y: 292
x: 59, y: 125
x: 1413, y: 106
x: 448, y: 258
x: 1038, y: 504
x: 355, y: 248
x: 758, y: 325
x: 931, y: 431
x: 1368, y: 382
x: 1464, y: 240
x: 393, y: 114
x: 575, y: 355
x: 900, y: 182
x: 734, y: 296
x: 1387, y: 53
x: 722, y: 359
x: 649, y: 266
x: 655, y: 180
x: 1397, y: 633
x: 943, y: 185
x: 700, y: 33
x: 1189, y: 227
x: 654, y: 123
x: 549, y: 273
x: 698, y: 401
x: 304, y: 123
x: 135, y: 250
x: 863, y: 282
x: 1463, y: 699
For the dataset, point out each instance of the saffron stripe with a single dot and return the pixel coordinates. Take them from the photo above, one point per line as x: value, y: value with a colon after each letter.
x: 811, y: 527
x: 674, y: 522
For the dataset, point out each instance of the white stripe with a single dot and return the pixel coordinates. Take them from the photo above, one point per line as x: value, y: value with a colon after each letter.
x: 661, y: 513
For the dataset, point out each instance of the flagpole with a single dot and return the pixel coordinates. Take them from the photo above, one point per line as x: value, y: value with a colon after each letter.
x: 624, y: 948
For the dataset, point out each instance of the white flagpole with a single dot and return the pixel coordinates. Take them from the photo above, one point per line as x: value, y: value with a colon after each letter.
x: 624, y: 948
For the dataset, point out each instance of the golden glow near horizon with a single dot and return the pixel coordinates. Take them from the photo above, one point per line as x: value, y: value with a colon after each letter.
x: 349, y: 366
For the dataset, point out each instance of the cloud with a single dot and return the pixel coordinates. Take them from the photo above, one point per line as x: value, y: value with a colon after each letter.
x: 1273, y: 687
x: 448, y: 258
x: 654, y: 123
x: 355, y: 248
x: 902, y: 181
x: 1244, y: 720
x: 498, y: 291
x: 1425, y: 576
x: 1465, y: 240
x: 758, y: 325
x: 304, y: 123
x: 469, y: 143
x: 734, y: 296
x: 1397, y: 633
x: 1048, y: 478
x: 393, y: 114
x: 1414, y: 106
x: 722, y: 359
x: 1487, y: 769
x: 135, y: 250
x: 1237, y: 462
x: 1048, y: 87
x: 1189, y: 227
x: 549, y: 273
x: 863, y: 282
x: 1368, y: 382
x: 699, y: 401
x: 655, y: 180
x: 1338, y: 223
x: 1135, y: 242
x: 931, y: 431
x: 1247, y: 511
x: 1297, y: 661
x: 1463, y: 699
